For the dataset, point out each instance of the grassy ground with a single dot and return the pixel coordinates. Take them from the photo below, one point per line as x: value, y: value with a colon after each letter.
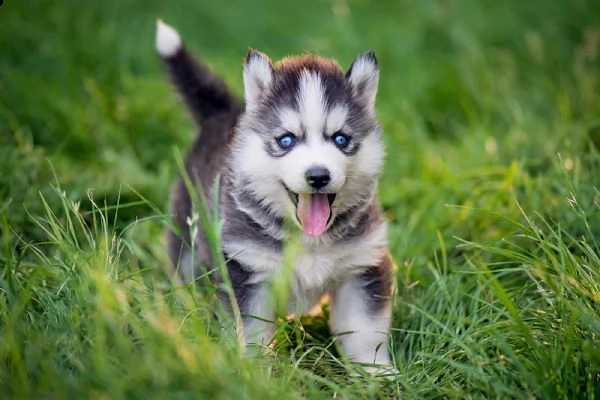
x: 492, y: 125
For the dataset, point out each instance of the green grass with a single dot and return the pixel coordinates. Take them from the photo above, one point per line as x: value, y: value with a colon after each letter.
x: 491, y: 113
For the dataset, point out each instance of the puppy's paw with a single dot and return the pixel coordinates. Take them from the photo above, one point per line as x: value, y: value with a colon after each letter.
x: 389, y: 372
x: 379, y: 371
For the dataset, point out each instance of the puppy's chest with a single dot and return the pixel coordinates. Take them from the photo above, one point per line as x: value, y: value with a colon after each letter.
x: 320, y: 266
x: 315, y: 266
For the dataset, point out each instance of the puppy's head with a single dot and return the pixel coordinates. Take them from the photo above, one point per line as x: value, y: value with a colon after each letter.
x: 309, y: 143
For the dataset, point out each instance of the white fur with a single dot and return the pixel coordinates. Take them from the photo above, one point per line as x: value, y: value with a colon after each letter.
x: 364, y: 78
x: 325, y: 261
x: 252, y: 162
x: 336, y: 119
x: 363, y: 168
x: 312, y: 103
x: 260, y: 259
x: 363, y: 336
x: 290, y: 120
x: 258, y: 74
x: 369, y: 159
x: 258, y: 328
x: 168, y: 41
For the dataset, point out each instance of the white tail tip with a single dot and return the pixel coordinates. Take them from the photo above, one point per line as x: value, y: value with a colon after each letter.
x: 168, y: 41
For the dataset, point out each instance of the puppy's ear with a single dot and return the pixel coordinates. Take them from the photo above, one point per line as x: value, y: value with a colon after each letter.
x: 258, y: 74
x: 363, y: 76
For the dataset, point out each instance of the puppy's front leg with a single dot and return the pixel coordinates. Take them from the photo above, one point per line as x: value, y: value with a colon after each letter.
x: 361, y: 314
x: 258, y: 316
x: 255, y: 304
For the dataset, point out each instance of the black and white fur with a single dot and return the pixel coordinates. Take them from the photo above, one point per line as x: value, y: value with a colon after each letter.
x: 311, y: 97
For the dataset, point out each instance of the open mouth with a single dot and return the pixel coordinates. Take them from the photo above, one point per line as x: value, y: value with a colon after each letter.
x: 313, y: 210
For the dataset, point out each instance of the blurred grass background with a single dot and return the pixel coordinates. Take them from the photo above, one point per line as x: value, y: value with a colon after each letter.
x: 492, y: 125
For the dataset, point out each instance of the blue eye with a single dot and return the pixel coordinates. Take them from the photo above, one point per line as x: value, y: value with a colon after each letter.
x: 286, y: 141
x: 341, y: 140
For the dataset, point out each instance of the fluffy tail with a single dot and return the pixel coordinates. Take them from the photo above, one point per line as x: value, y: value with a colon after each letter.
x: 215, y: 109
x: 205, y: 94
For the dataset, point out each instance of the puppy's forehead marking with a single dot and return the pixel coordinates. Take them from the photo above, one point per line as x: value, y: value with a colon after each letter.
x: 290, y: 120
x: 311, y: 102
x: 336, y: 119
x: 295, y: 121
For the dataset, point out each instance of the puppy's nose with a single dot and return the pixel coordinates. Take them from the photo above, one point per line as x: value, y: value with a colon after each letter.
x: 317, y: 177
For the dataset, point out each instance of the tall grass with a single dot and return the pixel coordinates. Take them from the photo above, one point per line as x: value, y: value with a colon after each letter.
x: 491, y: 190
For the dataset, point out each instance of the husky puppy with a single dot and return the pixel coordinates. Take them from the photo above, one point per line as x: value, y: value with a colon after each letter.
x: 304, y: 146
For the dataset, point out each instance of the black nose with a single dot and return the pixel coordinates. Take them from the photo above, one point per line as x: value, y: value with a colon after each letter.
x: 317, y: 177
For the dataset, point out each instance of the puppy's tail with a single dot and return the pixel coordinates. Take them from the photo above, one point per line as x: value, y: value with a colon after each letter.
x: 205, y: 94
x: 215, y: 110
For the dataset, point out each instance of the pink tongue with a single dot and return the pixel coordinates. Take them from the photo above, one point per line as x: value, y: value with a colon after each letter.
x: 313, y: 211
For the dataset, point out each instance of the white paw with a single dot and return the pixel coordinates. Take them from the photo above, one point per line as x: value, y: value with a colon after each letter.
x: 388, y: 371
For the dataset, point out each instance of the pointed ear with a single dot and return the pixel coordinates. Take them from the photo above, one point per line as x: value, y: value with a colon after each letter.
x: 258, y: 74
x: 363, y: 75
